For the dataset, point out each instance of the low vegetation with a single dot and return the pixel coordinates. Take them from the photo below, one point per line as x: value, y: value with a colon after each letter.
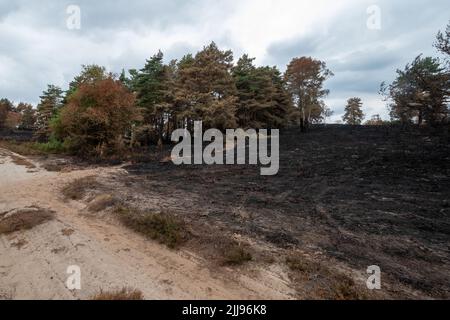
x: 163, y: 227
x: 24, y: 219
x: 101, y: 202
x: 51, y: 147
x: 122, y: 294
x: 322, y: 282
x: 235, y: 254
x: 22, y: 148
x: 28, y: 148
x: 77, y: 189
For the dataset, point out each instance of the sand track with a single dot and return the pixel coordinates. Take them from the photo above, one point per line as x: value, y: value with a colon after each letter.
x: 33, y: 263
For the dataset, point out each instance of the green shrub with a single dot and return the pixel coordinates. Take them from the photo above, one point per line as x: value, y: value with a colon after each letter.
x: 52, y: 146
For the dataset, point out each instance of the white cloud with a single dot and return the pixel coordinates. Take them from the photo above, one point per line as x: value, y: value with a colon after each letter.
x: 36, y: 48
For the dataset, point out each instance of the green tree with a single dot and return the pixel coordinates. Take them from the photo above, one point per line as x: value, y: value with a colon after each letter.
x: 421, y: 91
x: 48, y: 107
x: 154, y: 95
x: 353, y: 112
x: 183, y: 106
x: 263, y: 101
x: 206, y: 89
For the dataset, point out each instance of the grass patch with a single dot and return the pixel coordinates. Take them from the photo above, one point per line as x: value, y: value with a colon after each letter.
x: 33, y: 148
x: 53, y: 146
x: 123, y: 294
x: 164, y: 228
x: 22, y: 148
x: 234, y: 254
x: 322, y: 282
x: 77, y: 189
x: 24, y: 219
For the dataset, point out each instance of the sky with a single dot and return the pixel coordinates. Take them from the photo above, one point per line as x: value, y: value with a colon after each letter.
x: 362, y: 41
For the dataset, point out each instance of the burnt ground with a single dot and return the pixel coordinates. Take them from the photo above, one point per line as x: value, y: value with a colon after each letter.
x: 361, y: 195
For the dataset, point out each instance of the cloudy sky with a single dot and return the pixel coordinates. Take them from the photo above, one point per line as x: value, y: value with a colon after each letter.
x: 37, y: 47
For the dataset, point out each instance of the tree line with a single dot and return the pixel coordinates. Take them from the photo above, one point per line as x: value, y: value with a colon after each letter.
x: 102, y: 112
x: 100, y: 108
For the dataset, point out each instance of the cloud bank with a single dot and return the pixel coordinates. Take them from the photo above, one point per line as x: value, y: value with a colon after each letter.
x: 37, y: 48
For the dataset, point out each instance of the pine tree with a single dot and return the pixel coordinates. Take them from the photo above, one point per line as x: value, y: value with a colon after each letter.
x: 51, y: 102
x: 305, y: 78
x: 263, y: 102
x: 353, y: 112
x: 443, y: 41
x: 89, y: 74
x: 420, y: 91
x: 124, y: 79
x: 183, y: 106
x: 206, y: 89
x: 280, y: 112
x: 151, y: 85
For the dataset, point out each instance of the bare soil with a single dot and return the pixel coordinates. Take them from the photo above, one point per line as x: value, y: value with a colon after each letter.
x: 359, y: 196
x: 34, y: 260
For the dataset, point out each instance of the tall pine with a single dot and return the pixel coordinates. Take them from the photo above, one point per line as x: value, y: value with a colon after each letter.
x: 206, y: 89
x: 48, y: 107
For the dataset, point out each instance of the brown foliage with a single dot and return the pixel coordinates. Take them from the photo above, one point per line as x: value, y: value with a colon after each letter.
x: 76, y: 189
x: 123, y: 294
x: 97, y: 116
x: 24, y: 219
x: 321, y: 281
x: 235, y: 254
x: 305, y: 77
x: 5, y: 109
x: 163, y: 227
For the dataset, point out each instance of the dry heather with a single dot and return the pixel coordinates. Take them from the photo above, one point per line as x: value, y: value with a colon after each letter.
x: 101, y: 202
x: 235, y: 254
x: 162, y: 227
x: 22, y: 148
x: 123, y: 294
x: 24, y: 219
x: 77, y: 189
x: 316, y: 281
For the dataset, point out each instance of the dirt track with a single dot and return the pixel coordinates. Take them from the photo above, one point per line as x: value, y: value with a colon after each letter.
x: 33, y: 263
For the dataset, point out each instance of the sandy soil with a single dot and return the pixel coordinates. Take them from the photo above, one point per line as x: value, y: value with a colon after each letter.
x: 33, y: 263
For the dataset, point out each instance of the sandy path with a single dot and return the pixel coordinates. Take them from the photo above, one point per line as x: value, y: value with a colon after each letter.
x: 109, y: 256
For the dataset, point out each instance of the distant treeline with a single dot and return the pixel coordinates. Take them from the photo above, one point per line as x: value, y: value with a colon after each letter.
x: 100, y: 108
